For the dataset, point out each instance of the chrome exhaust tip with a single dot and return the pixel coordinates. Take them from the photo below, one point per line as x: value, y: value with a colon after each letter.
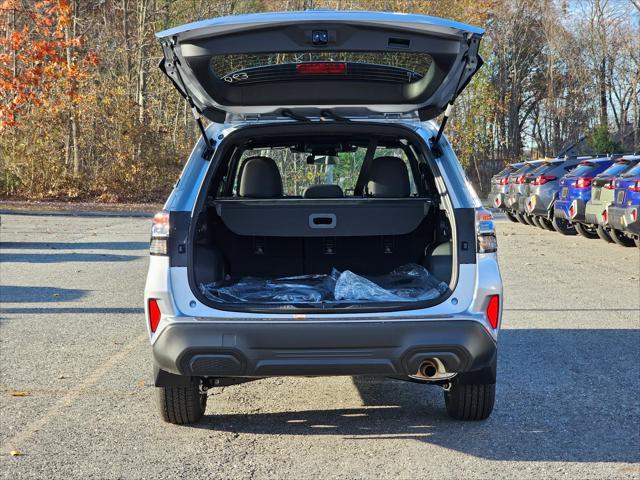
x: 428, y: 369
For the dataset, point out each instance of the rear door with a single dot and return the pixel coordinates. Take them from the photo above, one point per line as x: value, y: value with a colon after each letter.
x: 352, y: 62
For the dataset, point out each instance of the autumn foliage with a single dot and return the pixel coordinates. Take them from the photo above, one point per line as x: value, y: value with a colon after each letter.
x: 85, y: 114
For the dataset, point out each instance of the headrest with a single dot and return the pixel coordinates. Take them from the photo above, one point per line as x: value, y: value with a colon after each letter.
x: 260, y: 178
x: 323, y: 191
x: 388, y: 177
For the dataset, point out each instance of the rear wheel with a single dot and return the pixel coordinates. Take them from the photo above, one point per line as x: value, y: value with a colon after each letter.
x: 546, y: 223
x: 563, y: 226
x: 602, y: 233
x: 529, y: 219
x: 587, y: 231
x: 181, y: 405
x: 621, y: 239
x: 511, y: 217
x: 520, y: 218
x: 468, y: 401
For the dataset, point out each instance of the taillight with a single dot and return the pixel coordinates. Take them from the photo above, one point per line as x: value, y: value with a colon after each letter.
x: 609, y: 185
x: 582, y: 182
x: 542, y: 179
x: 605, y: 216
x: 154, y: 314
x: 321, y: 68
x: 634, y: 214
x: 493, y: 311
x: 486, y: 233
x: 503, y: 181
x: 520, y: 179
x: 635, y: 187
x: 160, y: 234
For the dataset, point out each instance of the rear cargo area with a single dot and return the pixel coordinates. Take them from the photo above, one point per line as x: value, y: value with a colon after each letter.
x: 363, y: 226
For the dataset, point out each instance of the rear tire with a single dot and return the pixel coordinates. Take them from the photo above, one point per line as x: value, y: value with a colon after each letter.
x: 562, y: 226
x: 511, y: 217
x: 602, y: 233
x: 181, y: 405
x: 637, y: 241
x: 467, y: 401
x: 530, y: 220
x: 621, y: 239
x: 546, y: 223
x: 586, y: 231
x: 520, y: 218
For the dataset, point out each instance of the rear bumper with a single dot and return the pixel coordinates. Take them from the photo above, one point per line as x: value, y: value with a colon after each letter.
x: 593, y: 213
x: 497, y: 200
x: 511, y: 201
x: 215, y: 349
x: 621, y: 218
x: 572, y: 210
x: 537, y: 205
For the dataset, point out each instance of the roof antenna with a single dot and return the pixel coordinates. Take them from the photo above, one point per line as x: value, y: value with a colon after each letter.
x: 435, y: 148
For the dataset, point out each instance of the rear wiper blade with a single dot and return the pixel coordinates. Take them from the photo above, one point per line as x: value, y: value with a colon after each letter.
x: 289, y: 114
x: 333, y: 116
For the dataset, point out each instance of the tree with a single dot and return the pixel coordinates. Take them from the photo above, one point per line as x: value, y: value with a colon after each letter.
x: 602, y: 142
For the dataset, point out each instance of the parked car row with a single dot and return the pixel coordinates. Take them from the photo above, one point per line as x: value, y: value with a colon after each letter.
x: 596, y: 197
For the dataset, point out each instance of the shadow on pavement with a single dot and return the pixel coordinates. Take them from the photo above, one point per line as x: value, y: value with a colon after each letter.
x: 72, y: 310
x: 64, y: 257
x: 20, y: 294
x: 75, y: 245
x: 563, y: 395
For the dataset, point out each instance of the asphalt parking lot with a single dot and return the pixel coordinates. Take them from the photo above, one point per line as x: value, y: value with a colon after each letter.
x: 76, y: 398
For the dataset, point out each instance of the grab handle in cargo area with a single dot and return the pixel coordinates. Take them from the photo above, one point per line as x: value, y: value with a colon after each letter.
x: 322, y: 220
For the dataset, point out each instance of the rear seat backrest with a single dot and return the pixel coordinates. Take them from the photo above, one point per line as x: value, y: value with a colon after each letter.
x: 323, y: 191
x: 388, y: 178
x: 260, y: 178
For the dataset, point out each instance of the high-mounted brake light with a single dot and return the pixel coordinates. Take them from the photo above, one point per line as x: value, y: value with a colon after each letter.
x: 160, y: 234
x: 493, y: 311
x: 635, y: 187
x: 542, y: 179
x: 321, y: 68
x: 486, y: 232
x: 154, y: 314
x: 582, y: 182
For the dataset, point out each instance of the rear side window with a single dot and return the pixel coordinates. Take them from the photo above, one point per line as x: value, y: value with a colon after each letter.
x: 300, y: 170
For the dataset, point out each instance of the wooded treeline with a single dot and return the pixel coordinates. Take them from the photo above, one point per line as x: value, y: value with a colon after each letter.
x: 86, y: 114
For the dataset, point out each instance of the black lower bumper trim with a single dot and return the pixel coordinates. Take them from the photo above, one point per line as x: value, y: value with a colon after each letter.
x: 347, y: 348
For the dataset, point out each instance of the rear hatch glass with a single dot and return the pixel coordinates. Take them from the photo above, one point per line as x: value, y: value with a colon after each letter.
x: 392, y: 67
x: 583, y: 169
x: 614, y: 170
x: 634, y: 172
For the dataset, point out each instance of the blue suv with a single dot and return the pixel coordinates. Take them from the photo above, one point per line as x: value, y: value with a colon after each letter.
x: 623, y: 213
x: 575, y: 192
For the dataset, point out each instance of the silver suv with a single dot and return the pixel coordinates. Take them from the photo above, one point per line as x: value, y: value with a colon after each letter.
x: 322, y: 224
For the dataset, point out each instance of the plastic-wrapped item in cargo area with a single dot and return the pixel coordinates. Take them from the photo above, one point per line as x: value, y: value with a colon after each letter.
x: 408, y: 283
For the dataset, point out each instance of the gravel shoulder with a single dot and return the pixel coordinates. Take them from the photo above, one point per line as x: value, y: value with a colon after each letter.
x: 76, y: 398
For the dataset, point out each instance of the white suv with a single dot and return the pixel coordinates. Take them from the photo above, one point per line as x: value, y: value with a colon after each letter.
x: 322, y: 224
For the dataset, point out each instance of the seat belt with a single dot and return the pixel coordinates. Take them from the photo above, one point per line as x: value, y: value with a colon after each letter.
x: 363, y: 177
